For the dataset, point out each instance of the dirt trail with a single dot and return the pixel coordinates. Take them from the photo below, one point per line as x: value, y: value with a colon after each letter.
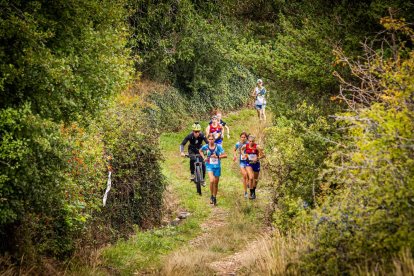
x: 235, y: 262
x: 218, y: 218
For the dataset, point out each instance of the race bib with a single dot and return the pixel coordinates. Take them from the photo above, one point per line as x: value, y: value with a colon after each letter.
x: 214, y: 161
x: 252, y: 157
x: 216, y: 135
x: 243, y: 157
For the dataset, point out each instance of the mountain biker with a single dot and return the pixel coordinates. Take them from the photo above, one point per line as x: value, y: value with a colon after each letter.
x: 212, y: 153
x: 259, y: 93
x: 222, y: 123
x: 253, y: 153
x: 216, y: 129
x: 196, y: 138
x: 242, y: 160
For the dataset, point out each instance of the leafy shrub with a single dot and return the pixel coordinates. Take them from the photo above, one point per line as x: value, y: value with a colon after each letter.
x: 138, y: 183
x: 188, y: 48
x: 167, y: 108
x: 32, y: 185
x: 296, y: 147
x: 53, y: 177
x: 368, y: 219
x: 64, y: 58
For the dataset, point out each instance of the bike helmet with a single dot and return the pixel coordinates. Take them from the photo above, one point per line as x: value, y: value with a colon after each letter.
x: 196, y: 127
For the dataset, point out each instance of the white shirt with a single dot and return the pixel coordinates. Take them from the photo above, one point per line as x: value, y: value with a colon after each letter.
x: 260, y: 98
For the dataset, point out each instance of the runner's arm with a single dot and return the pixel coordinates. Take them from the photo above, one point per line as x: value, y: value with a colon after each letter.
x: 235, y: 152
x: 223, y: 155
x: 186, y: 139
x: 253, y: 93
x: 202, y: 154
x: 228, y: 131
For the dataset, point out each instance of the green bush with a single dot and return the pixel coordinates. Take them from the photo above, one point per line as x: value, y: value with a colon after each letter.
x: 367, y: 219
x: 33, y: 210
x: 60, y: 62
x: 65, y: 58
x: 190, y: 49
x: 137, y: 181
x: 53, y: 177
x: 296, y: 146
x: 168, y: 108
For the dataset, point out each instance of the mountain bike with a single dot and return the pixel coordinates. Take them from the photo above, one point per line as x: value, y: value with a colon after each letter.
x: 198, y: 171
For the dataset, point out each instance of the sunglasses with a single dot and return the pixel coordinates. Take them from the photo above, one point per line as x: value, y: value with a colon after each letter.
x: 196, y: 131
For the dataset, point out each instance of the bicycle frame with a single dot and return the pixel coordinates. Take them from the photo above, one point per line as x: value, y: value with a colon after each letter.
x: 198, y: 171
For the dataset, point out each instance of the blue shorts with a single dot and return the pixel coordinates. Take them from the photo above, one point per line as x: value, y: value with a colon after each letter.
x: 243, y: 163
x: 260, y: 106
x: 216, y: 171
x: 254, y: 166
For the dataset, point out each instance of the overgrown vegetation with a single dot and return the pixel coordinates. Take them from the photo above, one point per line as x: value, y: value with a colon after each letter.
x: 187, y: 46
x: 293, y: 45
x: 339, y: 151
x: 59, y: 62
x: 65, y: 124
x: 62, y: 131
x: 371, y: 175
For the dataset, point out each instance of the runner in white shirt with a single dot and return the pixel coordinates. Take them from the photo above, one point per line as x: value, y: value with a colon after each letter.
x: 259, y: 93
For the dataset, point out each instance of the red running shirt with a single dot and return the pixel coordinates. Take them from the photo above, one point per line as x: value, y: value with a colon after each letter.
x: 251, y: 151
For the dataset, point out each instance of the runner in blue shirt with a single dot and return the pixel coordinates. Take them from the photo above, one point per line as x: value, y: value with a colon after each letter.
x: 212, y: 153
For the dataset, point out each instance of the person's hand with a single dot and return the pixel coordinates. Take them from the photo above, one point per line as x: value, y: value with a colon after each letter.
x: 182, y: 154
x: 234, y: 158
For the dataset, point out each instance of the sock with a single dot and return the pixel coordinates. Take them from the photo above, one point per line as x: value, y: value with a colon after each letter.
x: 251, y: 191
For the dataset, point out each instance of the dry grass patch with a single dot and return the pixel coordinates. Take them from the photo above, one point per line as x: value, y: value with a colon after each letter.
x: 275, y: 255
x: 189, y: 262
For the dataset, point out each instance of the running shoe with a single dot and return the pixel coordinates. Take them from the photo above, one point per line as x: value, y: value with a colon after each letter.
x: 214, y: 200
x: 192, y: 177
x: 211, y: 199
x: 246, y: 195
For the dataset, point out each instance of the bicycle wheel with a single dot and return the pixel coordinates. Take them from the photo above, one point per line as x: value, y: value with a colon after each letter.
x: 198, y: 178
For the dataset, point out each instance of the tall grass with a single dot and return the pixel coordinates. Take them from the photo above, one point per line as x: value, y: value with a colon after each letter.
x: 276, y: 254
x: 280, y: 254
